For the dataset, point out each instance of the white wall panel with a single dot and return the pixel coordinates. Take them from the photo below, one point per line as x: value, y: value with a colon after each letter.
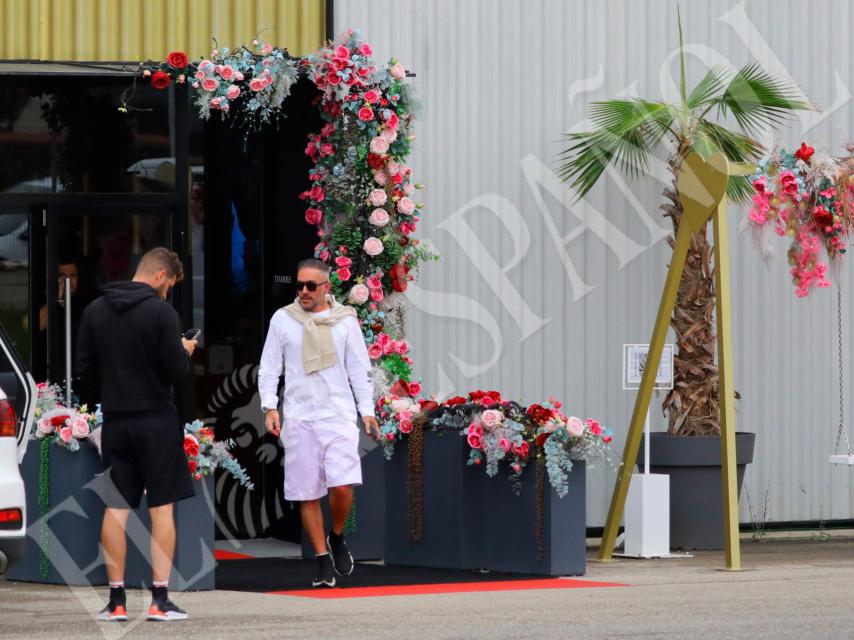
x: 501, y: 81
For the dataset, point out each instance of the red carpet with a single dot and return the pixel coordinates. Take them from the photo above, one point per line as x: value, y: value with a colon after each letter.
x: 222, y: 554
x: 457, y: 587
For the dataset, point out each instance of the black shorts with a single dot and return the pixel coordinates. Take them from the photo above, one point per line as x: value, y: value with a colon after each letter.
x: 144, y: 453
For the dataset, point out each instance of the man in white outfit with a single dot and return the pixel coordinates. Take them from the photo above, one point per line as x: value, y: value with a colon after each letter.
x: 319, y: 345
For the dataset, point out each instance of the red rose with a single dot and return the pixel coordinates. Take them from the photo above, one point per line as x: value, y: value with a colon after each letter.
x: 366, y: 114
x: 400, y: 389
x: 541, y: 439
x: 414, y: 388
x: 191, y: 446
x: 804, y: 153
x: 429, y: 405
x: 160, y: 79
x: 539, y: 413
x: 192, y: 465
x: 178, y: 59
x: 476, y: 395
x: 399, y: 280
x: 58, y: 421
x: 450, y: 402
x: 376, y: 161
x: 343, y: 273
x: 822, y: 217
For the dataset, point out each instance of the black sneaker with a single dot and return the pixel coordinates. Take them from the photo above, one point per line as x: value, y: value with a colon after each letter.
x: 342, y: 559
x: 325, y: 572
x: 113, y: 612
x: 165, y: 611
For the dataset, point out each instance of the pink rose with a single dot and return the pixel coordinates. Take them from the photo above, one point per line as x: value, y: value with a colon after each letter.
x: 227, y: 72
x: 267, y: 49
x: 65, y: 434
x: 256, y: 84
x: 392, y: 167
x: 405, y: 426
x: 238, y: 75
x: 575, y: 426
x: 216, y: 102
x: 313, y: 216
x: 397, y: 71
x: 326, y: 149
x: 379, y: 217
x: 389, y: 134
x: 378, y: 197
x: 475, y: 441
x: 233, y: 92
x: 200, y: 75
x: 379, y: 145
x: 342, y: 52
x: 366, y: 114
x: 79, y: 427
x: 374, y: 282
x: 409, y: 189
x: 373, y: 246
x: 376, y: 295
x: 343, y: 261
x: 359, y: 294
x: 371, y: 96
x: 206, y: 66
x: 504, y: 443
x: 343, y: 273
x: 210, y: 84
x: 375, y: 351
x: 414, y: 389
x: 392, y: 121
x: 380, y: 178
x: 365, y: 49
x: 491, y: 417
x: 45, y: 426
x: 316, y: 193
x: 475, y: 429
x: 406, y: 206
x: 595, y: 427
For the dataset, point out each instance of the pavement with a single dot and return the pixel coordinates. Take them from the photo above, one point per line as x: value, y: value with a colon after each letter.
x: 791, y: 588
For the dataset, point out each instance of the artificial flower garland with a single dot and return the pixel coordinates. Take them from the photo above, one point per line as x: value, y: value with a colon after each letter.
x: 808, y: 197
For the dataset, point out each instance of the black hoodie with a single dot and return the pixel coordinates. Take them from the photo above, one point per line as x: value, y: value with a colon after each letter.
x: 130, y: 344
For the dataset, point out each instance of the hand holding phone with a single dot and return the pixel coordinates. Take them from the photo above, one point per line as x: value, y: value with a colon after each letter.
x: 192, y: 334
x: 189, y: 340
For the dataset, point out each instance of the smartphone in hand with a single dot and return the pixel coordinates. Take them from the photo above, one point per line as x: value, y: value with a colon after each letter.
x: 192, y: 334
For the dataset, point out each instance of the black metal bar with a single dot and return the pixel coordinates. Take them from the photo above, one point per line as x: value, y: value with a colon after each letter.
x: 330, y: 19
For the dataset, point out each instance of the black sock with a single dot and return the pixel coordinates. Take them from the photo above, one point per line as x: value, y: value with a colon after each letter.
x: 117, y: 596
x: 159, y: 594
x: 335, y: 536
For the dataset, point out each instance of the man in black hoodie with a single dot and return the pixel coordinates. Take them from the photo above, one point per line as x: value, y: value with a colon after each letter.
x: 130, y: 339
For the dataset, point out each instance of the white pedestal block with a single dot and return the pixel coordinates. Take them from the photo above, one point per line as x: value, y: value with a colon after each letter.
x: 648, y: 516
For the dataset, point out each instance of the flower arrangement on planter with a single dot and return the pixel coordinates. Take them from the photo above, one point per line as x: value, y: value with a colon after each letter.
x: 361, y: 194
x: 59, y: 424
x: 253, y: 80
x: 808, y: 197
x: 204, y: 454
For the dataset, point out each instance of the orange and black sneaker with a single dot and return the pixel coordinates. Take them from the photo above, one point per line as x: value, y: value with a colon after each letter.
x: 165, y: 611
x: 113, y: 612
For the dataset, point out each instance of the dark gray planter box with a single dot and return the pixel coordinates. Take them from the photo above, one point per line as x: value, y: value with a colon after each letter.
x: 510, y: 535
x: 77, y: 510
x: 696, y: 484
x: 367, y: 541
x: 454, y: 507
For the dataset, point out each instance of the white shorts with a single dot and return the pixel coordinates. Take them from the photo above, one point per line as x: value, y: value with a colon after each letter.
x: 320, y: 454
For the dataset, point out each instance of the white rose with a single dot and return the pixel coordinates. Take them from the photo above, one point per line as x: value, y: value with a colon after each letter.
x: 359, y: 294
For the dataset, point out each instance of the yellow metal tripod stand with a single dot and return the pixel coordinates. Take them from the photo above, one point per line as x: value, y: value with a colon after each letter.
x: 702, y: 190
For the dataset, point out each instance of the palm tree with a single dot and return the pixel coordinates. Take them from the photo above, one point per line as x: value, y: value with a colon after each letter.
x: 627, y: 133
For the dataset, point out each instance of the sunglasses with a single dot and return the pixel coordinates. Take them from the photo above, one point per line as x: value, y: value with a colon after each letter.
x: 311, y: 286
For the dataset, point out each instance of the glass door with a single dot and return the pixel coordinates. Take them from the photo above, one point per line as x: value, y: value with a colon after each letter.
x: 83, y: 248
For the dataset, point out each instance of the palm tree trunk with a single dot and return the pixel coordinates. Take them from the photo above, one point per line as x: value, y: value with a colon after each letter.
x: 692, y: 405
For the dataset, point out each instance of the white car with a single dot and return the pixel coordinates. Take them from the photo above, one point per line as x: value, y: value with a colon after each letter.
x: 17, y: 411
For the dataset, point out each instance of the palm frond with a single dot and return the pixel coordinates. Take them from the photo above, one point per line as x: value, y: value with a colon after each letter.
x: 626, y: 133
x: 756, y: 99
x: 737, y: 147
x: 739, y: 189
x: 708, y: 89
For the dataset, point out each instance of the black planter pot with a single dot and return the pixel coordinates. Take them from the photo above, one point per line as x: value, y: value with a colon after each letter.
x: 74, y: 520
x: 696, y: 485
x: 454, y: 507
x: 472, y: 521
x: 510, y: 533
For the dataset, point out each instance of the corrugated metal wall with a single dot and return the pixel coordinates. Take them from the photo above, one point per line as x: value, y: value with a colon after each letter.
x: 148, y: 29
x: 509, y: 307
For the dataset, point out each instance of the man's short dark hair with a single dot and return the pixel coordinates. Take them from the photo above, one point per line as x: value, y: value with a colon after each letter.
x: 314, y: 263
x: 158, y: 259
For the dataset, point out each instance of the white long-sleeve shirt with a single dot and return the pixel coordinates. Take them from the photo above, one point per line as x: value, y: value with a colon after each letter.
x: 322, y: 394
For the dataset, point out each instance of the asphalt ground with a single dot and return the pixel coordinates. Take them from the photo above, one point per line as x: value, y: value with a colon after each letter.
x: 790, y: 589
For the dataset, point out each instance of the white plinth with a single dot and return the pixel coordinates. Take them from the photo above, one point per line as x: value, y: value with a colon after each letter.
x: 648, y: 516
